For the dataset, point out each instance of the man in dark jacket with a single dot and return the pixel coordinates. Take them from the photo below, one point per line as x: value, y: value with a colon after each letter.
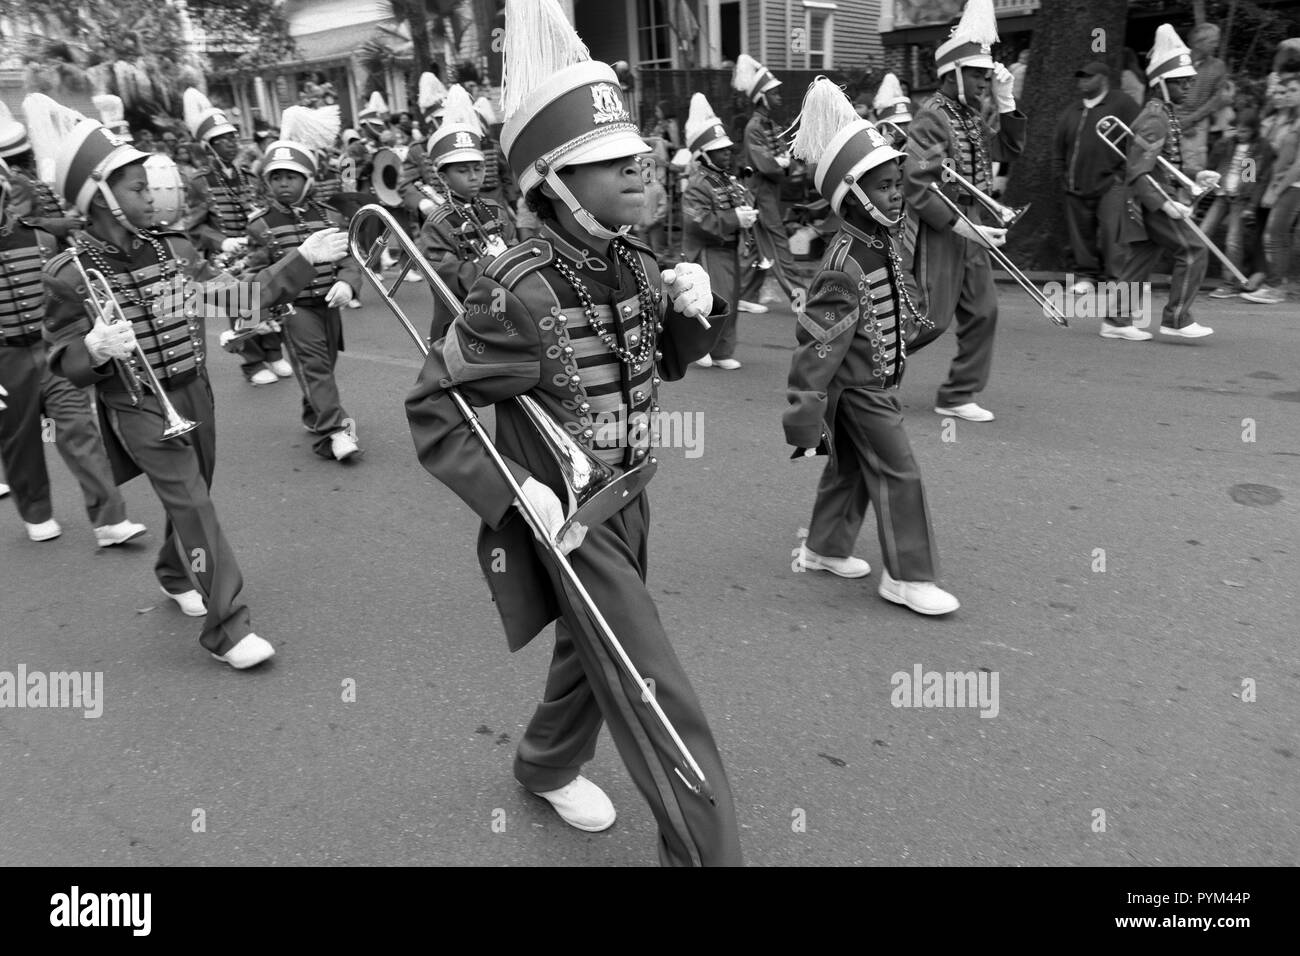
x: 1094, y: 176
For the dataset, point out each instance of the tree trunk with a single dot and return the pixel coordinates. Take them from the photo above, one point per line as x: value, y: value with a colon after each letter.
x: 412, y: 13
x: 1067, y: 34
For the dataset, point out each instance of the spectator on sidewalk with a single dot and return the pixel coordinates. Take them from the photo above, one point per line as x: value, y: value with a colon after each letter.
x: 1282, y: 196
x: 1244, y: 162
x: 1210, y: 92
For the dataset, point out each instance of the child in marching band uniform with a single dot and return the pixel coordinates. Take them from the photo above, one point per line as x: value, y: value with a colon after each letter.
x: 313, y: 328
x: 718, y: 217
x: 580, y: 320
x: 465, y: 230
x: 849, y: 363
x: 154, y: 277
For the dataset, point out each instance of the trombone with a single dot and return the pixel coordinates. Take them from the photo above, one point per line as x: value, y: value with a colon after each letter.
x: 1007, y: 215
x: 595, y: 490
x: 135, y: 372
x: 1048, y: 306
x: 1108, y: 123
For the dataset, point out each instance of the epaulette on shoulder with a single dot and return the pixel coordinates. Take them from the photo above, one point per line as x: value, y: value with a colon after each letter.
x: 58, y: 262
x: 258, y: 212
x: 518, y: 261
x: 440, y: 212
x: 639, y: 244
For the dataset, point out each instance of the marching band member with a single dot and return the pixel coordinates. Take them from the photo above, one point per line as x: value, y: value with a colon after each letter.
x: 313, y: 328
x: 29, y: 197
x: 373, y: 118
x: 465, y: 230
x: 950, y: 258
x: 848, y: 365
x: 35, y: 392
x: 417, y: 174
x: 891, y: 105
x: 580, y: 319
x: 1156, y: 224
x: 497, y: 183
x: 718, y: 215
x: 219, y: 201
x: 153, y: 278
x: 764, y: 152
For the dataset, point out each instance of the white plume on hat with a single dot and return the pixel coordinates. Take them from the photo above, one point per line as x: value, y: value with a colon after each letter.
x: 376, y: 105
x: 746, y: 72
x: 700, y: 117
x: 1168, y: 46
x: 112, y: 112
x: 890, y: 92
x: 483, y: 107
x: 49, y: 124
x: 313, y: 128
x: 978, y: 24
x: 13, y: 134
x: 194, y: 107
x: 432, y: 92
x: 826, y: 111
x: 539, y: 42
x: 459, y: 108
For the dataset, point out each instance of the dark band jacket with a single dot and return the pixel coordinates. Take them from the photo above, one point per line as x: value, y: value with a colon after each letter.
x: 276, y: 230
x: 24, y: 251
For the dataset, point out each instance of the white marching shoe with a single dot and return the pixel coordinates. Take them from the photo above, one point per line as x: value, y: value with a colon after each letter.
x: 582, y: 805
x: 923, y: 597
x: 249, y: 652
x: 756, y: 307
x: 1193, y: 330
x: 108, y: 535
x: 968, y: 411
x: 1109, y: 331
x: 281, y: 368
x: 4, y: 490
x: 343, y: 443
x: 705, y: 362
x: 849, y: 567
x: 264, y: 376
x: 190, y: 602
x: 729, y: 364
x: 43, y: 530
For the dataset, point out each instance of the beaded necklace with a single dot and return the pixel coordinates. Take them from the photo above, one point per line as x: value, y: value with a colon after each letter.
x: 475, y: 210
x: 648, y: 298
x: 1173, y: 142
x: 972, y: 131
x: 237, y: 187
x: 167, y: 271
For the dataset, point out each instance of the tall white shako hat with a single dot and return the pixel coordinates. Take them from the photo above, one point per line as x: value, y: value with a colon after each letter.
x: 890, y: 105
x: 83, y: 152
x: 204, y: 121
x: 431, y: 94
x: 112, y: 113
x: 486, y: 113
x: 303, y: 131
x: 841, y: 144
x: 13, y: 134
x: 1170, y: 58
x: 752, y: 78
x: 561, y: 107
x: 375, y: 113
x: 704, y: 131
x: 460, y: 137
x: 970, y: 43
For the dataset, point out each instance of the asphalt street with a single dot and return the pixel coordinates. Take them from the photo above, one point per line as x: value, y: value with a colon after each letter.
x: 1126, y: 555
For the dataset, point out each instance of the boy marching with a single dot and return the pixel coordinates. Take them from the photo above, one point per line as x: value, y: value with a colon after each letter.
x: 153, y: 277
x: 718, y: 218
x: 852, y: 346
x: 580, y: 320
x: 313, y: 327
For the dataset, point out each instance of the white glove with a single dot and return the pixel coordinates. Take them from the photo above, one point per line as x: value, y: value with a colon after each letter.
x: 234, y: 245
x: 3, y: 393
x: 1207, y: 179
x: 1176, y: 210
x: 783, y: 161
x: 688, y: 288
x: 747, y: 215
x: 548, y: 509
x: 339, y: 294
x: 327, y: 245
x: 1004, y: 85
x: 427, y: 206
x: 110, y: 340
x: 988, y: 236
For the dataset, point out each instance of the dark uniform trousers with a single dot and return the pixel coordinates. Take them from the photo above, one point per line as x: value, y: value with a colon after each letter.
x: 35, y: 390
x: 1093, y: 225
x: 584, y: 688
x: 873, y: 462
x: 194, y: 552
x: 258, y: 351
x: 1191, y: 259
x: 723, y: 266
x: 315, y: 336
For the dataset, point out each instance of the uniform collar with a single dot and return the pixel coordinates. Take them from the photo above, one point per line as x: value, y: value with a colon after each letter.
x: 873, y: 238
x: 591, y: 264
x: 85, y: 237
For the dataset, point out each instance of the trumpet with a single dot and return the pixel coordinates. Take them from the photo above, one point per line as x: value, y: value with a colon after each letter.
x: 1108, y: 123
x: 595, y: 491
x: 740, y: 197
x: 1049, y: 308
x: 135, y: 372
x: 1006, y: 215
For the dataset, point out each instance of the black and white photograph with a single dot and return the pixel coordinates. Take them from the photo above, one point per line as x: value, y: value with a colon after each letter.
x: 635, y: 433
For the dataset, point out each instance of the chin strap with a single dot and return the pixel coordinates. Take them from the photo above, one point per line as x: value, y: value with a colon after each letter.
x: 871, y: 208
x: 584, y: 218
x: 1164, y: 90
x: 961, y: 87
x: 114, y: 207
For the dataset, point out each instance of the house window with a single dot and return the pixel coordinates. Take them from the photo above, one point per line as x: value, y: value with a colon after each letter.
x: 654, y: 36
x: 819, y: 29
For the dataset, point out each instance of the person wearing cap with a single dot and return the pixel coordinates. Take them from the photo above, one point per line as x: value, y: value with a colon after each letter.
x: 373, y: 117
x: 219, y: 201
x: 581, y: 320
x: 37, y: 393
x: 763, y: 151
x: 1209, y: 92
x: 848, y: 364
x: 30, y: 198
x: 949, y: 256
x: 1093, y: 175
x: 466, y: 230
x: 497, y: 184
x: 1157, y: 208
x: 891, y: 105
x: 313, y: 327
x: 718, y: 215
x: 157, y: 278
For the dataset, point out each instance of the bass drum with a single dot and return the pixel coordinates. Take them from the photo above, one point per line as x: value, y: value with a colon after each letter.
x: 168, y: 188
x: 386, y: 173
